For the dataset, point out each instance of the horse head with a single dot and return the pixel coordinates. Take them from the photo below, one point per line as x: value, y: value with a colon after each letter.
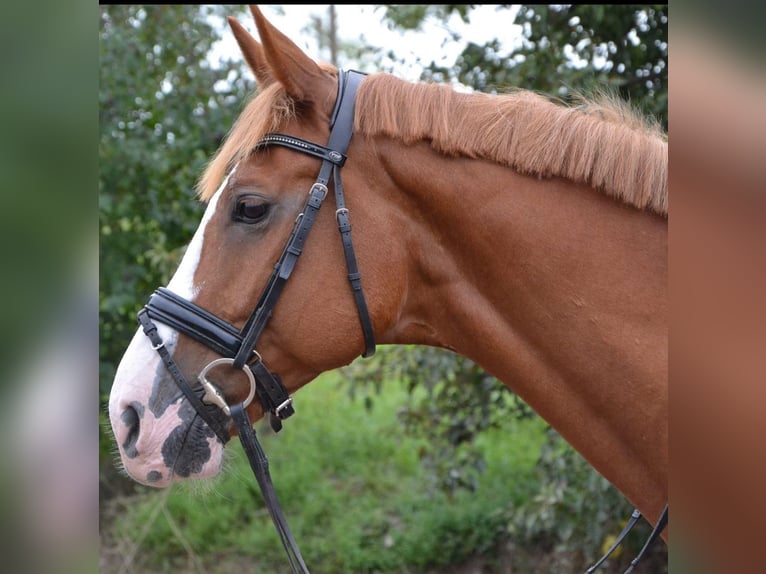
x: 260, y: 192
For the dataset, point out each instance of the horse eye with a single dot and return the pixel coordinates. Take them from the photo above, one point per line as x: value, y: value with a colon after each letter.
x: 250, y: 210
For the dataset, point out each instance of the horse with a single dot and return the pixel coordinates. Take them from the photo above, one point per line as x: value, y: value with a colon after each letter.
x: 528, y: 236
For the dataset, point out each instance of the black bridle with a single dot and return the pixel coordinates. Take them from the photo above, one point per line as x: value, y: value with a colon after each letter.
x: 238, y: 347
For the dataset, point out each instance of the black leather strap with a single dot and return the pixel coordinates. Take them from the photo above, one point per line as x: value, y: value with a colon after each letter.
x: 658, y: 528
x: 354, y: 277
x: 226, y: 340
x: 303, y: 146
x: 259, y: 464
x: 634, y: 517
x: 207, y: 412
x: 273, y: 395
x: 202, y: 326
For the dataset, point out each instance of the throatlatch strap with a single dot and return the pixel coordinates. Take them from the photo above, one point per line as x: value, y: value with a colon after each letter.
x: 259, y: 463
x: 354, y: 276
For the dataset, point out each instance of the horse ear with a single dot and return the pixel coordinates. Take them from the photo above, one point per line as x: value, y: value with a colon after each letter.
x: 253, y: 53
x: 298, y: 73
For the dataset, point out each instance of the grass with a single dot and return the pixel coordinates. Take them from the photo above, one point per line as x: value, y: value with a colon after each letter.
x: 352, y: 488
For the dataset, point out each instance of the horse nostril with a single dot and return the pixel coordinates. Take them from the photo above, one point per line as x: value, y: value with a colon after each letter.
x: 131, y: 418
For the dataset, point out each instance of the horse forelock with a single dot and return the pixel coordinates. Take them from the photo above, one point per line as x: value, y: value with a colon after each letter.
x: 601, y: 142
x: 266, y: 112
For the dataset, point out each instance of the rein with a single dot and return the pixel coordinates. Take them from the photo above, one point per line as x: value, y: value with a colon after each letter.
x: 655, y: 533
x: 238, y: 347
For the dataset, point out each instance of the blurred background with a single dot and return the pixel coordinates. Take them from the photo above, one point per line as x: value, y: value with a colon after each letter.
x: 406, y: 470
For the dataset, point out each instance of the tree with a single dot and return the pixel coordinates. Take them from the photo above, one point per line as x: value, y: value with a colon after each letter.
x: 565, y: 49
x: 163, y: 110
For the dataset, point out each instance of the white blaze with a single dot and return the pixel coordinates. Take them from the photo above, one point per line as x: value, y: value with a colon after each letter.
x: 182, y: 283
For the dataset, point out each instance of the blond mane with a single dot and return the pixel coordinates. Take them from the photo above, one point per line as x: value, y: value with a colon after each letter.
x: 265, y: 113
x: 601, y: 143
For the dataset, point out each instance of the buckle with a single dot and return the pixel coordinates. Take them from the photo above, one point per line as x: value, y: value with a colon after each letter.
x: 339, y: 212
x: 319, y: 187
x: 283, y: 406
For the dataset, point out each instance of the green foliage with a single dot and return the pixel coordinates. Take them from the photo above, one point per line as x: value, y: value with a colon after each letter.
x: 451, y: 402
x: 454, y: 409
x: 411, y: 16
x: 163, y: 110
x: 566, y: 49
x: 575, y: 508
x: 586, y: 47
x: 355, y: 495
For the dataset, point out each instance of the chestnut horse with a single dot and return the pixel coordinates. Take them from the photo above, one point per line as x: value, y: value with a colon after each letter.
x: 527, y: 236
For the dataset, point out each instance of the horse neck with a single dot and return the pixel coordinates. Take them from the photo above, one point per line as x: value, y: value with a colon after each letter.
x: 554, y: 288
